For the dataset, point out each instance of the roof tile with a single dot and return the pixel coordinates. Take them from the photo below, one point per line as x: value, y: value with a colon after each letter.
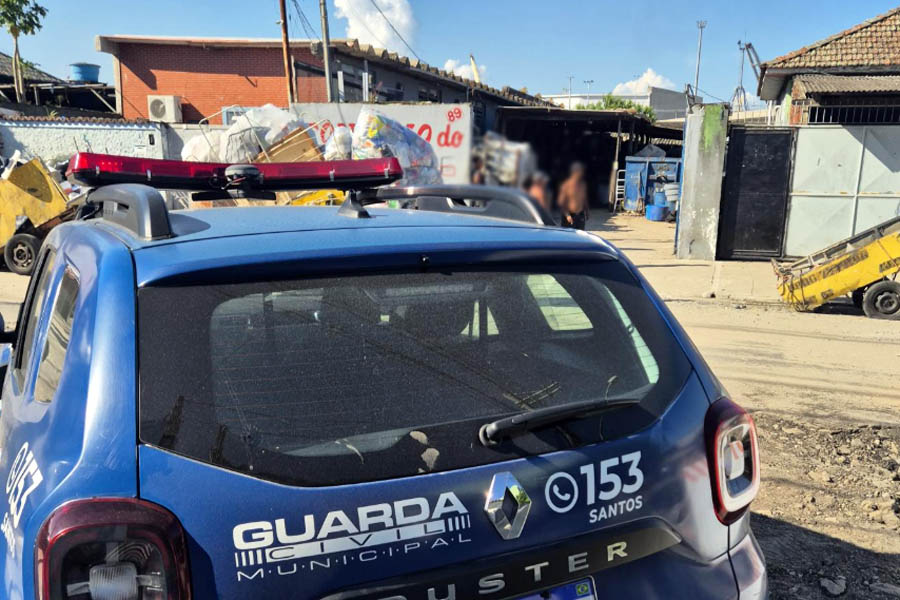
x: 848, y: 84
x: 875, y: 42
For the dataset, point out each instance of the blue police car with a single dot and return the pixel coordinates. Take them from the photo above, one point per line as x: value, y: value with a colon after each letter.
x: 453, y: 400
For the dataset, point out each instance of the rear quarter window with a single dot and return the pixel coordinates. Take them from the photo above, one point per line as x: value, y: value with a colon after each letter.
x: 56, y: 343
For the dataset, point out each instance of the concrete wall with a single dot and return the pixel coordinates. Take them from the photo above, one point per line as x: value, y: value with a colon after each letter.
x: 668, y: 104
x: 58, y: 140
x: 705, y: 132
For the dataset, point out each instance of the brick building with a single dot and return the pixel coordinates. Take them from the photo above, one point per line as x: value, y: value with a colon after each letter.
x: 210, y: 74
x: 852, y: 77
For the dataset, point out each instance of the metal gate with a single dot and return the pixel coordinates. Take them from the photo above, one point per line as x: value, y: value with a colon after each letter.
x: 846, y: 180
x: 754, y: 193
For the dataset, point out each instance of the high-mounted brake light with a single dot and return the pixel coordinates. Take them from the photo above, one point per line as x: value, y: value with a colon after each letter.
x: 101, y: 169
x: 111, y: 549
x: 733, y: 454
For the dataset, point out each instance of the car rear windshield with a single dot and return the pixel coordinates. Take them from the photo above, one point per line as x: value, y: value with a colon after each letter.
x: 364, y: 377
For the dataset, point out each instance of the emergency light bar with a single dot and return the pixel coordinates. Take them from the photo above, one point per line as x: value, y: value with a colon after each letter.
x: 95, y: 170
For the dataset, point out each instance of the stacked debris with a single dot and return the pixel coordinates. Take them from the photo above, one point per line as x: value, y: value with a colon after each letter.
x: 272, y: 134
x: 505, y: 162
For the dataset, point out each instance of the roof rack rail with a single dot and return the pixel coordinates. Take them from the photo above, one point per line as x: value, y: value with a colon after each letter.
x: 475, y: 200
x: 139, y: 208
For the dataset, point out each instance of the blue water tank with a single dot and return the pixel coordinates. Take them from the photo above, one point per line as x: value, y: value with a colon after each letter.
x: 659, y: 198
x: 84, y: 72
x: 656, y: 212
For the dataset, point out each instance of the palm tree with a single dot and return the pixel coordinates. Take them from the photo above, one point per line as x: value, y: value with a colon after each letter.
x: 20, y: 17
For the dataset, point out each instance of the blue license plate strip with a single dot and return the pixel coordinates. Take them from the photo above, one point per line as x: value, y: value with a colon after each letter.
x: 582, y: 589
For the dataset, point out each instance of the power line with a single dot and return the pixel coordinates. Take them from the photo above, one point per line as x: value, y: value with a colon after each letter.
x: 711, y: 96
x: 363, y: 22
x: 394, y: 29
x: 308, y: 30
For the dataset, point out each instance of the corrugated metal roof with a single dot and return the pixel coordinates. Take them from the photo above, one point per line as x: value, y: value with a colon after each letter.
x: 31, y: 74
x: 72, y: 119
x: 350, y: 46
x: 354, y: 48
x: 849, y: 84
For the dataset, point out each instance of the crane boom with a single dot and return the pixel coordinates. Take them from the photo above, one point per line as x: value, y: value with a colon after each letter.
x: 475, y: 75
x: 754, y: 59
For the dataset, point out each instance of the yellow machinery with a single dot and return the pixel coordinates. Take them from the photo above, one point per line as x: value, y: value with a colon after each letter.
x: 31, y: 203
x: 865, y: 266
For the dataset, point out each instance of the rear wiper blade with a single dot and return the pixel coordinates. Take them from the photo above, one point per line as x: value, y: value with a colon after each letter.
x: 491, y: 433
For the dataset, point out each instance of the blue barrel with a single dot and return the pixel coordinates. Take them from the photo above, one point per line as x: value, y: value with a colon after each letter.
x: 659, y: 198
x: 656, y: 212
x: 86, y: 72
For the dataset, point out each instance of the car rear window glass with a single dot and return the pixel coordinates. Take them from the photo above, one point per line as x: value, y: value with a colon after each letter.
x: 57, y: 340
x: 337, y: 380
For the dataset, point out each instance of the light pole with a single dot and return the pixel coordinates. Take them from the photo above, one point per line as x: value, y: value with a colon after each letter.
x: 589, y: 82
x: 571, y: 77
x: 700, y: 26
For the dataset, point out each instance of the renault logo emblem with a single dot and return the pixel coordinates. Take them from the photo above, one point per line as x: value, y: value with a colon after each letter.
x: 507, y: 505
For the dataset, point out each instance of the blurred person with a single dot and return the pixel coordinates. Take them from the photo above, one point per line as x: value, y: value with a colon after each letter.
x: 573, y: 198
x: 537, y: 186
x: 478, y: 171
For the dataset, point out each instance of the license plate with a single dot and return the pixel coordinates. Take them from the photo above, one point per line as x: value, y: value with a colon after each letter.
x: 579, y: 590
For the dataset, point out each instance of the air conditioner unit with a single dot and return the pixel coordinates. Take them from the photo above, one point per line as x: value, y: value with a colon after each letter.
x: 164, y: 108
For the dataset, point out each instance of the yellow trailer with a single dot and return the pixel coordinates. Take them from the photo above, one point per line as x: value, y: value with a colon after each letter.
x: 31, y: 203
x: 864, y: 266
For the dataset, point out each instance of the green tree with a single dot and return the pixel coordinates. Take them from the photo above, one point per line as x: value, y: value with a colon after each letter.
x: 20, y: 17
x: 610, y: 102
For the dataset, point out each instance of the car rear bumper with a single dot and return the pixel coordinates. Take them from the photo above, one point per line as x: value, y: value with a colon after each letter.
x: 750, y: 569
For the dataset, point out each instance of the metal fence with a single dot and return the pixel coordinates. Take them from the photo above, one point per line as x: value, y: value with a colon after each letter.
x: 846, y: 179
x: 849, y: 114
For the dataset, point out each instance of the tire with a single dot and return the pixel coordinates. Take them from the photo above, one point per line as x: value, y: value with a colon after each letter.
x: 882, y: 300
x: 20, y: 253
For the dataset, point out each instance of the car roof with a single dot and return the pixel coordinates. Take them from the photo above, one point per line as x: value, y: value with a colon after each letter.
x: 201, y: 224
x: 243, y: 236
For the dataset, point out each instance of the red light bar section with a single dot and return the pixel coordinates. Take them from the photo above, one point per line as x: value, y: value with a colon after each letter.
x: 102, y: 169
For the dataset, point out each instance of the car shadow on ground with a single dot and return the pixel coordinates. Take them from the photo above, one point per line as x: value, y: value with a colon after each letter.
x: 798, y: 559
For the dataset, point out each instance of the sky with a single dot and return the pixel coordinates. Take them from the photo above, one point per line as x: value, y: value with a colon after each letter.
x: 535, y: 44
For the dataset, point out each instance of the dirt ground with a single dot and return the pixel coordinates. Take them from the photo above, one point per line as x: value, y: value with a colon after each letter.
x: 824, y: 389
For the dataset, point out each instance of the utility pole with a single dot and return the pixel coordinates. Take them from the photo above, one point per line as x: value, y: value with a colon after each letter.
x: 326, y: 49
x: 739, y: 99
x: 589, y: 83
x: 700, y: 26
x: 571, y: 77
x: 286, y: 50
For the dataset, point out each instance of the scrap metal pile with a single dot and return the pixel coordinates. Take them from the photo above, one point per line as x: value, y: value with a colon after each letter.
x: 33, y: 200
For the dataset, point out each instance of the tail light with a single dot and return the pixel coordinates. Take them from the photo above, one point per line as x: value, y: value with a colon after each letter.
x: 733, y: 455
x: 111, y: 549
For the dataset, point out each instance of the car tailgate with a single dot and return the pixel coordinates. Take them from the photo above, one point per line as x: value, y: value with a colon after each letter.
x: 651, y: 504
